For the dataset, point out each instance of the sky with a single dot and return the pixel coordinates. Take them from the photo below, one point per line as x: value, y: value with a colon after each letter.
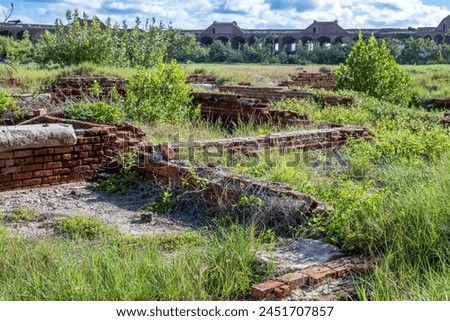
x: 249, y: 14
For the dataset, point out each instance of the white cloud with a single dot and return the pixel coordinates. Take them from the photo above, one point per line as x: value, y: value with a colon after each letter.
x: 199, y: 14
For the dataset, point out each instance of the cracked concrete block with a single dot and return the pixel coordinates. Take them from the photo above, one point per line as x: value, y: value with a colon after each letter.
x: 36, y: 136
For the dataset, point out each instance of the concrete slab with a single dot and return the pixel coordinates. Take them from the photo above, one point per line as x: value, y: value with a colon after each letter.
x: 36, y: 136
x: 301, y: 254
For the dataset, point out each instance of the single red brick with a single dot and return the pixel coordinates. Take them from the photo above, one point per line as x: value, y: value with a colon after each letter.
x: 167, y: 153
x: 98, y: 146
x: 262, y: 290
x: 318, y: 274
x: 20, y: 176
x: 6, y: 155
x: 43, y: 173
x: 63, y: 150
x: 52, y: 165
x: 67, y: 178
x: 31, y: 182
x: 66, y: 156
x: 22, y: 161
x: 44, y: 151
x: 10, y: 162
x: 92, y: 160
x: 72, y: 163
x: 23, y: 153
x: 295, y: 279
x: 282, y: 291
x: 38, y: 159
x: 6, y: 185
x: 6, y: 178
x: 86, y: 147
x: 48, y: 159
x: 32, y: 167
x: 61, y: 171
x: 10, y: 170
x: 81, y: 169
x: 17, y: 184
x: 51, y: 180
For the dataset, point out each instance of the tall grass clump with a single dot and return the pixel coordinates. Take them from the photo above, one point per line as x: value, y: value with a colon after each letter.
x: 223, y: 268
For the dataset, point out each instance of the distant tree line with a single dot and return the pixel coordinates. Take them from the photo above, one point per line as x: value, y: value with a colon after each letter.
x: 81, y: 39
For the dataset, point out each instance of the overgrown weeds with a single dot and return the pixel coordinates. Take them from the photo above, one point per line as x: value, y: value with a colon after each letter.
x: 223, y: 268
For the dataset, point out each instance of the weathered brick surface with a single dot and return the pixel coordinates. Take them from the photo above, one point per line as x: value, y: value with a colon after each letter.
x: 262, y: 290
x: 266, y: 94
x: 313, y: 80
x: 314, y: 279
x: 49, y: 166
x: 78, y: 88
x: 201, y: 79
x: 234, y: 108
x: 304, y: 139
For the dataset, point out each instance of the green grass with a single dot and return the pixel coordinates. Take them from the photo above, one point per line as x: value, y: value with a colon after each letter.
x: 429, y: 80
x: 25, y: 214
x: 390, y: 199
x: 221, y: 268
x: 85, y: 227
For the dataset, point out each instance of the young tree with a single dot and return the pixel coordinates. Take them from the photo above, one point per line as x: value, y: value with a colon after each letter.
x: 372, y: 69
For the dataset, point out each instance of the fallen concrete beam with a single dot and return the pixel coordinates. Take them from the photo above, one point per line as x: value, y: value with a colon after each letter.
x: 36, y: 136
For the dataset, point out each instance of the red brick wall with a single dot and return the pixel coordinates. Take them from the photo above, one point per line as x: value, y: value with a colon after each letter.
x: 235, y: 107
x: 78, y: 88
x: 43, y: 167
x: 313, y: 80
x: 305, y: 139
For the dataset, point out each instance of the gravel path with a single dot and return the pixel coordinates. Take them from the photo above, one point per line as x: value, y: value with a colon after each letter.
x: 120, y: 210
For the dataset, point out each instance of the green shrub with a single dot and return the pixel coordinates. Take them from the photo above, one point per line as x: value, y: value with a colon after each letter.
x: 160, y: 94
x: 123, y: 180
x: 25, y: 214
x: 8, y: 107
x: 164, y: 205
x: 85, y: 227
x: 98, y: 112
x: 372, y: 69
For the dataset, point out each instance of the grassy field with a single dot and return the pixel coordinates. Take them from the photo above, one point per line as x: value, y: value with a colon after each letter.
x: 390, y: 198
x: 429, y: 81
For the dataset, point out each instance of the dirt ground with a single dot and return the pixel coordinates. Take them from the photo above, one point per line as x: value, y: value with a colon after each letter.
x: 117, y: 209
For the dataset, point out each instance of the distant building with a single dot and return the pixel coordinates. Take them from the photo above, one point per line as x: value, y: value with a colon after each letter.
x: 282, y: 39
x: 16, y: 29
x: 318, y: 31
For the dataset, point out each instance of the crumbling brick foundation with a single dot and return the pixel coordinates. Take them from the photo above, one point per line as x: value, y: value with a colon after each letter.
x: 303, y: 139
x: 234, y: 108
x: 313, y: 80
x: 43, y: 167
x: 78, y: 88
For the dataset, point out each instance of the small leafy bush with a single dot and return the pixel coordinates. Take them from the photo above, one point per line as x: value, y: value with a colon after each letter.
x: 372, y: 69
x: 85, y: 227
x: 122, y: 181
x: 98, y: 112
x: 8, y: 107
x: 160, y: 94
x: 25, y: 214
x: 118, y: 182
x: 163, y: 206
